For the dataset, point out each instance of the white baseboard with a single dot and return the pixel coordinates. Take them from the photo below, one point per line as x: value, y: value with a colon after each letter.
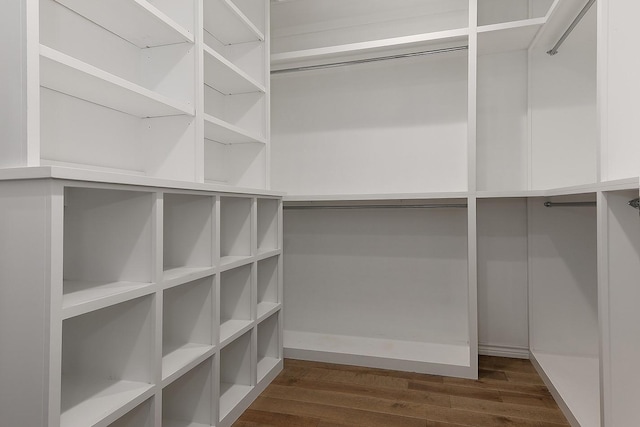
x: 503, y: 351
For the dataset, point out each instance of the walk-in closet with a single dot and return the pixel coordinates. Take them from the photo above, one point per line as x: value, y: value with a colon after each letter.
x: 193, y: 191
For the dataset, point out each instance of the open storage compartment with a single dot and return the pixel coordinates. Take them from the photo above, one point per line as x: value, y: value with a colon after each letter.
x: 188, y: 401
x: 189, y: 235
x: 235, y: 302
x: 268, y: 345
x: 268, y: 214
x: 140, y: 416
x: 187, y: 325
x: 106, y: 362
x: 107, y: 247
x: 235, y: 229
x: 236, y: 377
x: 563, y: 295
x: 268, y: 286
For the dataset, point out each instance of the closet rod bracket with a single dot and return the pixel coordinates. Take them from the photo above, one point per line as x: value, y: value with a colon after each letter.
x: 635, y: 203
x: 555, y: 204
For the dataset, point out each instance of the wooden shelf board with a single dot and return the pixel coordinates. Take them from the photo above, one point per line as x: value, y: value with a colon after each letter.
x: 225, y: 133
x: 265, y: 365
x: 575, y: 381
x: 89, y: 401
x: 362, y: 50
x: 225, y: 77
x: 228, y: 24
x: 179, y: 275
x: 232, y: 328
x: 84, y: 296
x: 137, y: 21
x: 179, y: 359
x: 434, y: 358
x: 508, y: 36
x: 266, y: 309
x: 70, y: 76
x: 230, y: 396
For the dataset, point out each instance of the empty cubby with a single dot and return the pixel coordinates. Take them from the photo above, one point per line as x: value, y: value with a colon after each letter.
x: 235, y: 301
x: 188, y: 401
x: 268, y: 292
x: 235, y: 228
x: 235, y: 373
x: 268, y: 345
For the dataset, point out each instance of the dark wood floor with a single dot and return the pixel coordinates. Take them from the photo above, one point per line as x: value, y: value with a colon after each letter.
x: 309, y: 394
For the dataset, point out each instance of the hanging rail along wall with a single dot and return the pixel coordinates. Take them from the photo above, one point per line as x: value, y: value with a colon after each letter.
x: 573, y: 25
x: 365, y: 61
x: 424, y: 206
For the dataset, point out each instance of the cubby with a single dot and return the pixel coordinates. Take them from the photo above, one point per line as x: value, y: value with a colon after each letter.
x: 235, y: 229
x: 106, y: 362
x: 189, y: 401
x: 268, y: 345
x: 268, y: 286
x: 268, y: 216
x: 107, y: 247
x: 140, y: 416
x: 187, y: 325
x: 235, y: 302
x: 189, y: 235
x: 236, y: 375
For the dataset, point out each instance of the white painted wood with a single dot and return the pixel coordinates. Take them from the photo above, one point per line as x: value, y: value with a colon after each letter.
x: 502, y: 276
x: 500, y: 11
x: 187, y: 401
x: 235, y: 374
x: 268, y: 345
x: 235, y: 301
x: 219, y: 131
x: 621, y: 342
x: 188, y: 231
x: 238, y: 165
x: 138, y: 21
x: 141, y: 416
x: 188, y: 316
x: 267, y: 285
x: 65, y: 74
x: 227, y: 23
x: 507, y: 37
x: 267, y: 224
x: 226, y: 77
x: 574, y: 383
x: 235, y: 221
x: 81, y: 297
x: 563, y: 104
x: 315, y: 148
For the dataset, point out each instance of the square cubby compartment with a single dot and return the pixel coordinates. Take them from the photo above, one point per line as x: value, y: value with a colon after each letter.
x: 268, y: 287
x: 141, y: 416
x: 235, y: 229
x: 235, y: 302
x: 268, y: 345
x: 107, y: 367
x: 267, y: 224
x: 188, y: 401
x: 107, y: 247
x: 189, y: 234
x: 187, y: 325
x: 235, y: 373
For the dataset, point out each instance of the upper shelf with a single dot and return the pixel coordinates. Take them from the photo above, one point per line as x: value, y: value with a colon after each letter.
x: 228, y: 24
x: 363, y: 50
x: 68, y: 75
x: 508, y: 36
x: 137, y: 21
x: 225, y: 77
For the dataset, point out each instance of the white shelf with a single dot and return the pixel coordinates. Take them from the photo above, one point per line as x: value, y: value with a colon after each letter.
x: 232, y: 328
x: 230, y: 396
x: 508, y: 36
x: 266, y: 309
x: 574, y: 382
x: 375, y: 197
x: 230, y: 262
x: 83, y: 296
x: 137, y: 21
x: 434, y: 358
x: 225, y: 77
x: 91, y: 401
x: 68, y: 75
x: 179, y: 360
x: 223, y: 132
x: 174, y: 423
x: 180, y: 275
x: 228, y: 24
x: 188, y: 401
x: 362, y: 50
x: 266, y: 365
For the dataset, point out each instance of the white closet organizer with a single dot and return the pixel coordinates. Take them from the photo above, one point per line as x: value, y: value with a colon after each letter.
x: 495, y: 121
x: 127, y: 312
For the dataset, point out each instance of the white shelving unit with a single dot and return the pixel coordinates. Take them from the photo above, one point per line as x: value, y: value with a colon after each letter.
x: 235, y: 303
x: 236, y: 375
x: 269, y: 348
x: 189, y: 401
x: 268, y: 278
x: 140, y: 416
x: 235, y: 230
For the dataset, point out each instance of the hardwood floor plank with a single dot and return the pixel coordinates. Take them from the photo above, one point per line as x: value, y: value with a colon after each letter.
x: 527, y: 399
x: 267, y: 418
x: 496, y: 385
x: 456, y: 390
x: 335, y: 414
x: 492, y: 363
x: 534, y: 413
x: 360, y: 378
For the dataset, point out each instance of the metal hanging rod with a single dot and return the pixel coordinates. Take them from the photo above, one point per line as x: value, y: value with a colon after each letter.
x: 430, y: 206
x: 573, y: 25
x: 635, y: 203
x: 554, y: 204
x: 365, y: 61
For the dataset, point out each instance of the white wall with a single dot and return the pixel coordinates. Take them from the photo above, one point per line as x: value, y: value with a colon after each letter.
x: 503, y: 324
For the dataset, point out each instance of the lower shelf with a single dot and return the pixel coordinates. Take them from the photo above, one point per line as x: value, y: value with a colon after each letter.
x: 174, y: 423
x: 574, y: 381
x: 229, y: 329
x: 432, y: 358
x: 230, y: 396
x: 178, y: 358
x: 266, y: 365
x: 88, y: 401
